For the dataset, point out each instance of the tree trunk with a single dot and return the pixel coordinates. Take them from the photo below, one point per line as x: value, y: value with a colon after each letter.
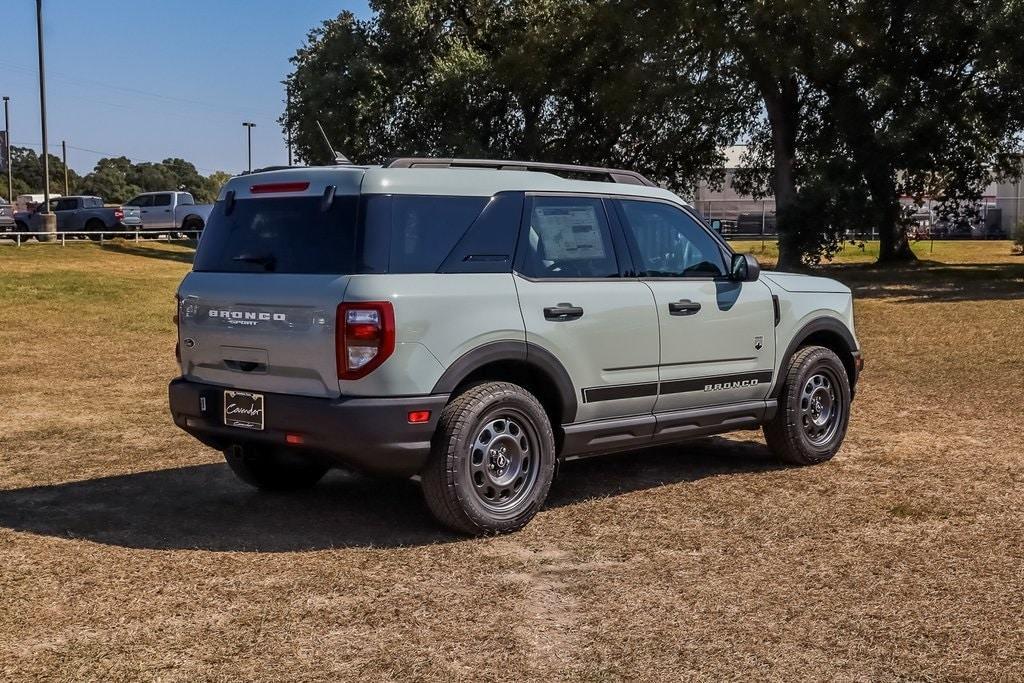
x: 894, y: 247
x: 782, y: 105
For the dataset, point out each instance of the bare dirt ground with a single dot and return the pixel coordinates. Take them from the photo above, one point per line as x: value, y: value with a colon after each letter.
x: 128, y: 551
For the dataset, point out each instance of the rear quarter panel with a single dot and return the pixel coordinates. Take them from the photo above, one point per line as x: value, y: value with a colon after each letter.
x: 438, y: 318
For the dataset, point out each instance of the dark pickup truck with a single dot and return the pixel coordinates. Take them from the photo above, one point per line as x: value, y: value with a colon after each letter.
x: 84, y: 213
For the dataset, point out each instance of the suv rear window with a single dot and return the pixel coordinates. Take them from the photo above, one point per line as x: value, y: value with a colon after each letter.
x: 280, y: 235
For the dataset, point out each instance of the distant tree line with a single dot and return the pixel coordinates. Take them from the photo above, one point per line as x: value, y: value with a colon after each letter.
x: 115, y: 179
x: 846, y: 107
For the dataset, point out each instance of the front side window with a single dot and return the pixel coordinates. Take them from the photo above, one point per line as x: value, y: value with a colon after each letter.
x: 568, y: 237
x: 668, y: 242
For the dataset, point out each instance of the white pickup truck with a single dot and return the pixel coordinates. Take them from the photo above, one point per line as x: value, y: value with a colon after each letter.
x: 171, y: 211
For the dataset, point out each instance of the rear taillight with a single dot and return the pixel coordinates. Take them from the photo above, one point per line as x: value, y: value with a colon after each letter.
x: 119, y: 214
x: 365, y: 337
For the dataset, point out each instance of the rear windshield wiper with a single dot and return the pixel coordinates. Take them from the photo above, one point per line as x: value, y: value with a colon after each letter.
x: 267, y: 261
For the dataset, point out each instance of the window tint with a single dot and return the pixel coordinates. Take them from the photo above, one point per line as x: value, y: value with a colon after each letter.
x: 65, y: 205
x: 490, y: 243
x: 669, y: 243
x: 161, y: 200
x: 416, y: 232
x: 281, y: 235
x: 568, y: 237
x: 141, y: 201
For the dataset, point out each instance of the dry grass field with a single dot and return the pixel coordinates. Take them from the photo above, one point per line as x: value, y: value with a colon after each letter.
x: 128, y: 551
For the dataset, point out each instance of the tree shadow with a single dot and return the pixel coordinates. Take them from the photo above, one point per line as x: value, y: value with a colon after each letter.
x: 131, y: 249
x: 204, y: 507
x: 931, y: 281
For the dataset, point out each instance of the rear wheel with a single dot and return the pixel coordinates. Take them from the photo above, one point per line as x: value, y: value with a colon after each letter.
x: 814, y: 408
x: 492, y: 461
x: 191, y: 224
x: 273, y: 469
x: 94, y: 227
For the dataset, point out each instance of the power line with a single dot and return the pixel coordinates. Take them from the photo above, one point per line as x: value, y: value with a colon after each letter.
x: 111, y: 155
x: 136, y: 91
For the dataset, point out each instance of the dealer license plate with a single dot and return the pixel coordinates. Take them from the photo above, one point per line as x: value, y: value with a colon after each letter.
x: 243, y: 409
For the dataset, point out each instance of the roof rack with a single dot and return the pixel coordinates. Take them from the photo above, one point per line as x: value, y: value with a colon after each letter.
x: 608, y: 175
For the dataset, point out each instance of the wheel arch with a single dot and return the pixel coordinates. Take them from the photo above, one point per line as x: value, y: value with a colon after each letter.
x: 192, y: 217
x: 528, y: 365
x: 829, y: 333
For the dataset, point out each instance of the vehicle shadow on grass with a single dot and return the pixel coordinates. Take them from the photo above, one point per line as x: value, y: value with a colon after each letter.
x: 205, y: 507
x: 132, y: 249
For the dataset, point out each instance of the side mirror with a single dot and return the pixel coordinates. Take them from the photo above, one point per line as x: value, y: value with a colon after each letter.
x: 716, y: 225
x: 744, y: 268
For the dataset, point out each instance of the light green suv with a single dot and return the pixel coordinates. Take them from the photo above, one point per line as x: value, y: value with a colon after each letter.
x: 473, y: 322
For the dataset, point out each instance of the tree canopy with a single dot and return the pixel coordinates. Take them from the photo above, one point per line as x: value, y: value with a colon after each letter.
x: 847, y: 106
x: 115, y: 179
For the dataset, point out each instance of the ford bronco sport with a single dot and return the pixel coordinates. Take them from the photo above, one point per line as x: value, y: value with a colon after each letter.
x: 475, y: 322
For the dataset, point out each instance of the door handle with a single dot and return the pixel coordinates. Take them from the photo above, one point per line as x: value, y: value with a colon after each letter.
x: 683, y: 307
x: 563, y: 312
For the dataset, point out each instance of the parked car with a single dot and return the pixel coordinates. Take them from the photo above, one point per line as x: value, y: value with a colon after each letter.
x: 7, y: 222
x: 475, y: 326
x: 171, y: 211
x: 85, y: 213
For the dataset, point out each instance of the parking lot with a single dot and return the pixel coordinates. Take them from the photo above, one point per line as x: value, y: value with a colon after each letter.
x: 128, y: 551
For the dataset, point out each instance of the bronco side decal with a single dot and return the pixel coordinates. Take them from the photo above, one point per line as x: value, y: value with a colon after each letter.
x: 678, y: 386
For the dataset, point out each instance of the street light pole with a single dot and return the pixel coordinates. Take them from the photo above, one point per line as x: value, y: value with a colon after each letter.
x: 249, y: 126
x: 42, y: 108
x: 64, y: 155
x: 7, y: 144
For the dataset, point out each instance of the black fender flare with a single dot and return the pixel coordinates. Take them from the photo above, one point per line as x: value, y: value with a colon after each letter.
x: 823, y: 324
x: 524, y: 352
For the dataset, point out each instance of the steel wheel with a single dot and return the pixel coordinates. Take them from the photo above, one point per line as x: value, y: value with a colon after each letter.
x: 821, y: 409
x: 502, y: 462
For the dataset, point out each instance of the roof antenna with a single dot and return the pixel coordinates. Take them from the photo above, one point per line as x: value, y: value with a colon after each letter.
x: 339, y: 158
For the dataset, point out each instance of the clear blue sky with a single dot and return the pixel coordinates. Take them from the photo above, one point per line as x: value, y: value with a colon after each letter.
x: 151, y: 79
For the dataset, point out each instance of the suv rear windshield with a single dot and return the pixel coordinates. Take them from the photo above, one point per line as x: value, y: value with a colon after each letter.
x: 280, y: 235
x: 368, y: 234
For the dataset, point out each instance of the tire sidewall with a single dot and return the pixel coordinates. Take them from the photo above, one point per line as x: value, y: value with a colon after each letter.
x: 821, y: 359
x: 519, y: 406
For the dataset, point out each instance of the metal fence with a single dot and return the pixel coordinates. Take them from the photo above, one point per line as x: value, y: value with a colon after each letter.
x: 62, y: 237
x: 752, y: 219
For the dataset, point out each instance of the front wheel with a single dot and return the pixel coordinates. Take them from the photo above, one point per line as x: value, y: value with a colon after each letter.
x: 274, y: 469
x: 814, y: 408
x: 492, y: 460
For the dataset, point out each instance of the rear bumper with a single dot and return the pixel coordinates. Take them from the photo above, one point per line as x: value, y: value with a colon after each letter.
x: 368, y: 434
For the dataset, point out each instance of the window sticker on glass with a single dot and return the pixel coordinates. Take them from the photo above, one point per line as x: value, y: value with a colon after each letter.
x: 569, y: 232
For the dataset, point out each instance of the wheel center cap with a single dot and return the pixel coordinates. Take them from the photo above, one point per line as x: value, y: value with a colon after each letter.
x: 499, y: 460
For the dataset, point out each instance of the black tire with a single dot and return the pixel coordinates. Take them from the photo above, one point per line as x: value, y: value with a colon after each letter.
x: 274, y: 469
x: 814, y: 408
x: 492, y: 460
x: 95, y: 225
x: 191, y: 223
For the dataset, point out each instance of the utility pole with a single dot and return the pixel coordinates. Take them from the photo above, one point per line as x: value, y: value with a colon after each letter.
x: 42, y: 108
x: 7, y: 144
x: 64, y: 154
x: 249, y: 125
x: 288, y: 119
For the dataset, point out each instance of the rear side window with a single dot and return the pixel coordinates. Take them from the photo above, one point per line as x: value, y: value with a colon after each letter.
x: 280, y: 235
x: 417, y: 232
x: 161, y: 200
